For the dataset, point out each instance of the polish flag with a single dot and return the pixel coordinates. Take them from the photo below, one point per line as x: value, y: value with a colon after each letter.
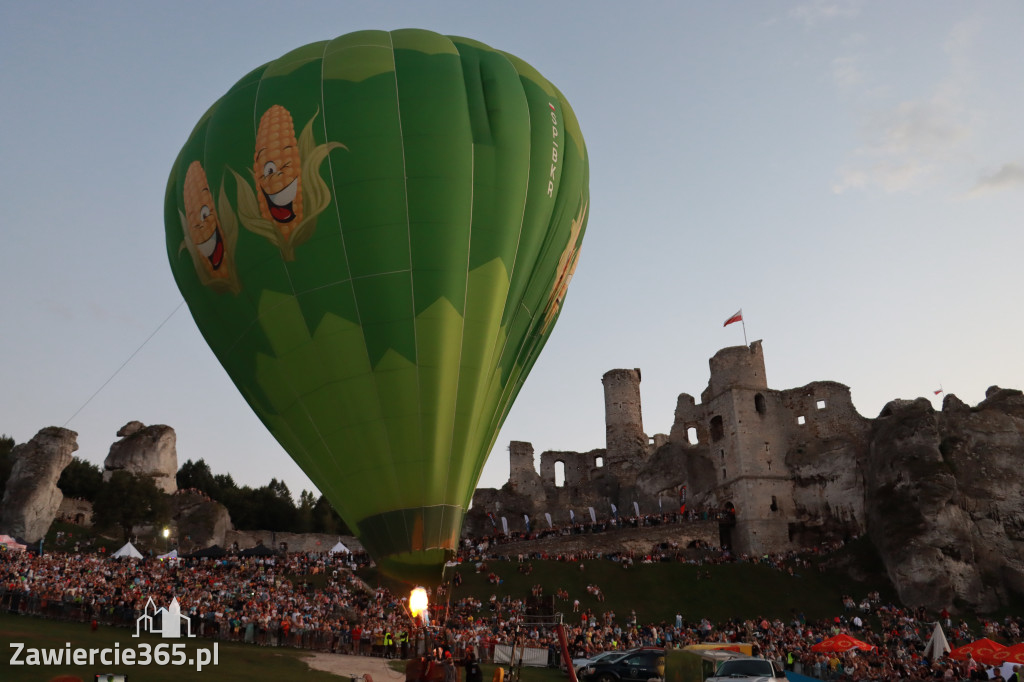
x: 735, y: 318
x: 938, y: 391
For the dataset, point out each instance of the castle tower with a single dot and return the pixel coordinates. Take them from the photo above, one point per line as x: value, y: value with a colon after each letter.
x: 523, y: 477
x: 520, y: 456
x: 747, y: 446
x: 736, y: 367
x: 625, y: 440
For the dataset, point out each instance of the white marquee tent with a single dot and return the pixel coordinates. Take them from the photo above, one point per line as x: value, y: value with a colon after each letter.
x: 127, y: 551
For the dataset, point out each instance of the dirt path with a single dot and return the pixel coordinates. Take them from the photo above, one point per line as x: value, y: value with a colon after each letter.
x: 354, y: 666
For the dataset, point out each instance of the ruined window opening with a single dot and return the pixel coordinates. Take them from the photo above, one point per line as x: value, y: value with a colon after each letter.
x: 767, y: 447
x: 722, y: 453
x: 775, y: 504
x: 559, y: 474
x: 821, y: 404
x: 759, y: 404
x: 801, y: 420
x: 717, y: 428
x: 599, y: 462
x: 691, y: 435
x: 723, y: 474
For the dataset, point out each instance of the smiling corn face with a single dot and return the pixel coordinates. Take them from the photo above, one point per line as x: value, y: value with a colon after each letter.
x: 201, y: 215
x: 277, y: 169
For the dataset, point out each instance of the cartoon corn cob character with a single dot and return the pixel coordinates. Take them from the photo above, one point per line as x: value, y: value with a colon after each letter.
x: 277, y: 168
x: 210, y: 243
x: 566, y: 268
x: 290, y: 193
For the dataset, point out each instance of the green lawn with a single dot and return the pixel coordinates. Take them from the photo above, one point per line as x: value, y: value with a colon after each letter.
x: 658, y: 591
x: 237, y: 663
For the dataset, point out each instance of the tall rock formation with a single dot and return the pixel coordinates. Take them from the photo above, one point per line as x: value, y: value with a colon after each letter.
x: 944, y: 503
x: 145, y: 450
x: 32, y: 497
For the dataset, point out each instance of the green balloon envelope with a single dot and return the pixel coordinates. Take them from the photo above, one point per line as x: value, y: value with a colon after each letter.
x: 374, y: 234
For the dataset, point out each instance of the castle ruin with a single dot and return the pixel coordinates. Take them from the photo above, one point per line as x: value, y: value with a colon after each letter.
x: 780, y: 467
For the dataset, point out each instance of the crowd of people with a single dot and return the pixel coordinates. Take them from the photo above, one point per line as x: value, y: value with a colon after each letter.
x: 272, y: 601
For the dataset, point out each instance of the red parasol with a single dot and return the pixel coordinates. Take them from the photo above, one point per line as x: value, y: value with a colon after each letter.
x: 1013, y: 654
x: 983, y: 650
x: 841, y: 642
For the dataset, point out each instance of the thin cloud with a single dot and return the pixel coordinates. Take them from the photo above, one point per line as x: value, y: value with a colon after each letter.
x: 846, y: 72
x: 889, y: 176
x: 908, y: 145
x: 1010, y: 176
x: 818, y: 11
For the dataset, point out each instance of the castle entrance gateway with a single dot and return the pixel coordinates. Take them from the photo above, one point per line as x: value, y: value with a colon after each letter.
x: 726, y: 524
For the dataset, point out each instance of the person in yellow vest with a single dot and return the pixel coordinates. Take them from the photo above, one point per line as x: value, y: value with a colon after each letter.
x: 403, y: 640
x: 389, y: 644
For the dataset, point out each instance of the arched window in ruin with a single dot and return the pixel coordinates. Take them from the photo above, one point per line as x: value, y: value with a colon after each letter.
x: 559, y: 474
x: 599, y: 462
x: 717, y: 428
x: 775, y: 504
x: 691, y: 435
x: 759, y: 404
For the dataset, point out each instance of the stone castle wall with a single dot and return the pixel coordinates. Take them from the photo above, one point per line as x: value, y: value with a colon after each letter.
x: 784, y: 462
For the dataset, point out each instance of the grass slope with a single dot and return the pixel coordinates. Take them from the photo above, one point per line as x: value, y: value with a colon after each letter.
x: 658, y: 591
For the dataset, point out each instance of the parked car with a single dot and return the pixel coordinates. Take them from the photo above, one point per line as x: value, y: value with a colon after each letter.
x: 747, y: 669
x: 637, y: 664
x: 603, y: 657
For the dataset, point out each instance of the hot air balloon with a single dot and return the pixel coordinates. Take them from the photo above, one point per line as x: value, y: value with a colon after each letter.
x: 375, y: 234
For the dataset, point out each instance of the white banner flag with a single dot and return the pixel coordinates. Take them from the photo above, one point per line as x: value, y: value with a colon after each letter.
x: 504, y: 525
x: 636, y: 508
x: 593, y: 516
x: 547, y: 517
x: 572, y: 516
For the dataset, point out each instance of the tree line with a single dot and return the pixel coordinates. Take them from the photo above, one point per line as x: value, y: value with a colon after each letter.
x: 269, y: 507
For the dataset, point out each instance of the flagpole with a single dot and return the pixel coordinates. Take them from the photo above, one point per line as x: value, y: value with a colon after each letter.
x: 743, y: 322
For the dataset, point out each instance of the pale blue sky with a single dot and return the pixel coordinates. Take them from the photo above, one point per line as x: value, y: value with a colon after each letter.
x: 851, y: 174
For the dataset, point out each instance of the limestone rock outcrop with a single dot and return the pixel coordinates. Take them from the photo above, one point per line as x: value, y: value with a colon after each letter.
x: 32, y: 497
x: 944, y: 503
x: 200, y: 521
x: 146, y: 450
